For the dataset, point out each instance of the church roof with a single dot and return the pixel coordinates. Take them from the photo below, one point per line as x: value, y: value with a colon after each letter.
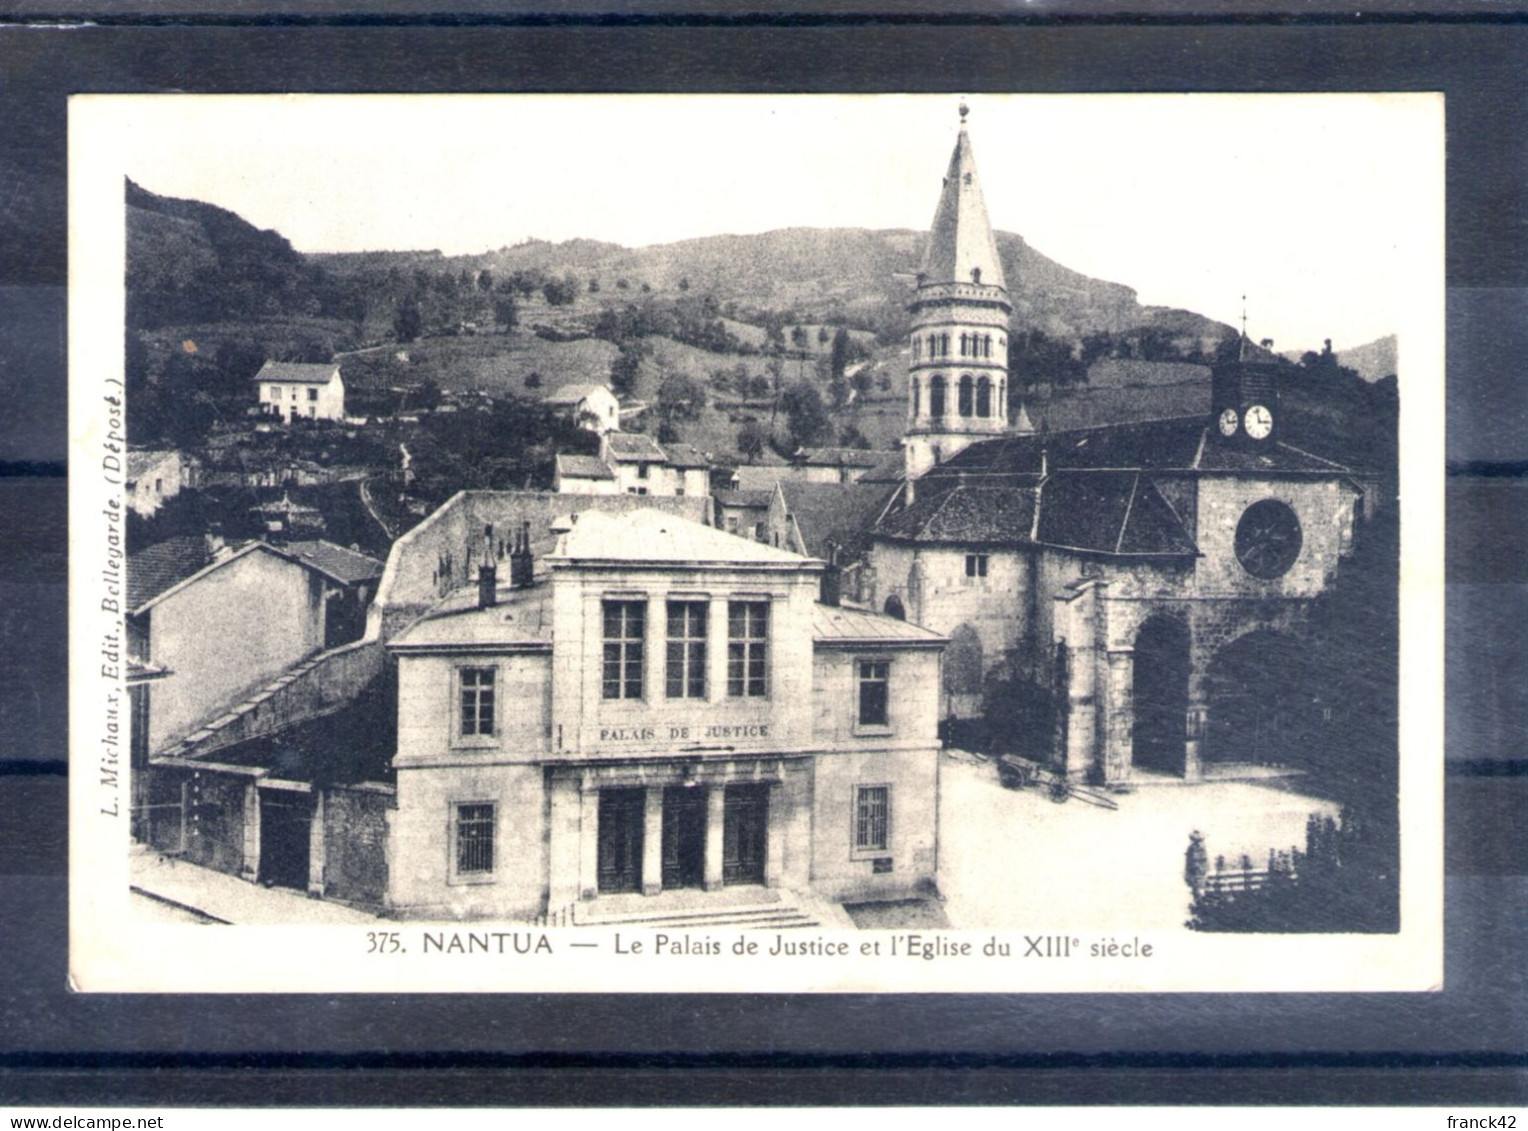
x: 960, y: 237
x: 976, y: 515
x: 1109, y: 512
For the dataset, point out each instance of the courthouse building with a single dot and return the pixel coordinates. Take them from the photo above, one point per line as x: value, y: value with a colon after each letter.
x: 658, y: 705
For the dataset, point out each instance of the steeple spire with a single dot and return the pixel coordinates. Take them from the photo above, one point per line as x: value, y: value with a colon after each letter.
x: 960, y: 247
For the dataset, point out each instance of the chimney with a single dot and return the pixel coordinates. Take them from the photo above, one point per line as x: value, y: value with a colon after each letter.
x: 832, y: 583
x: 1044, y: 463
x: 488, y: 585
x: 488, y: 573
x: 522, y: 563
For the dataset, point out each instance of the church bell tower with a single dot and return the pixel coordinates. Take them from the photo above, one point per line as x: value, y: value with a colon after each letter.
x: 957, y: 389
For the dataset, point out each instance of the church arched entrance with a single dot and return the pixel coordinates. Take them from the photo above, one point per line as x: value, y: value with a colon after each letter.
x: 1262, y: 702
x: 1160, y: 695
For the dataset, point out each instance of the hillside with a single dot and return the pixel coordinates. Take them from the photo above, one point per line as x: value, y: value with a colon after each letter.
x: 1373, y: 361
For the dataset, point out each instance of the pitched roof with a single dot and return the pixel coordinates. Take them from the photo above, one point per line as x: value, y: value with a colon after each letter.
x: 681, y: 454
x: 1110, y: 512
x: 653, y: 536
x: 298, y: 373
x: 960, y: 238
x: 846, y: 627
x: 343, y: 565
x: 522, y: 617
x: 633, y: 446
x: 141, y: 461
x: 157, y: 568
x: 572, y: 466
x: 573, y: 392
x: 834, y: 514
x: 838, y: 457
x: 973, y: 515
x: 891, y: 468
x: 751, y: 499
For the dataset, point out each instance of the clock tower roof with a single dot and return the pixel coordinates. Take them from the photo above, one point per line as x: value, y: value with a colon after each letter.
x: 960, y: 246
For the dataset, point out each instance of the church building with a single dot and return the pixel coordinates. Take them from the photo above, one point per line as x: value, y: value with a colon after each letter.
x: 1109, y: 593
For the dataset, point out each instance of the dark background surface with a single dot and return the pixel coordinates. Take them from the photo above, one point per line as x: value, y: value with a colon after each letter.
x: 1465, y: 1044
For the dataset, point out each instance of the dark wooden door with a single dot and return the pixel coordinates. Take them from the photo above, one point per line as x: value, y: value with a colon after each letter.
x: 620, y: 840
x: 684, y: 837
x: 286, y: 820
x: 745, y: 834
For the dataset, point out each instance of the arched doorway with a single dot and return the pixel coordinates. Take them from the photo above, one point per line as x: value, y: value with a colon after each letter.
x: 1160, y: 695
x: 1262, y: 702
x: 963, y: 674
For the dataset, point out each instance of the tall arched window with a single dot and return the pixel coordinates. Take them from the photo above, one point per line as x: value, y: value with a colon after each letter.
x: 915, y: 396
x: 944, y: 344
x: 917, y: 348
x: 965, y: 395
x: 1002, y: 399
x: 983, y: 397
x: 936, y: 395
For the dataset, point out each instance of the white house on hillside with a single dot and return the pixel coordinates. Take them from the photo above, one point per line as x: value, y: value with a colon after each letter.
x: 290, y: 389
x: 591, y: 406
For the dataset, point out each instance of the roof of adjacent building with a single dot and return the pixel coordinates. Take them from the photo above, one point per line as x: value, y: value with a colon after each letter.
x: 651, y: 536
x: 685, y: 455
x: 145, y: 460
x: 298, y: 373
x: 838, y: 457
x: 574, y: 392
x: 960, y: 238
x: 834, y: 514
x: 522, y: 618
x: 890, y: 468
x: 571, y: 466
x: 346, y: 566
x: 157, y: 568
x: 752, y: 500
x: 849, y: 627
x: 633, y: 446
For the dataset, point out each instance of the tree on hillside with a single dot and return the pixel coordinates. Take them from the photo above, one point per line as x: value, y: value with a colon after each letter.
x: 798, y: 337
x: 506, y: 311
x: 680, y: 398
x: 840, y: 352
x: 594, y: 284
x: 684, y: 283
x: 805, y: 415
x: 751, y: 439
x: 407, y: 323
x: 485, y: 280
x: 622, y: 285
x: 560, y: 292
x: 533, y: 380
x: 851, y: 437
x: 626, y: 366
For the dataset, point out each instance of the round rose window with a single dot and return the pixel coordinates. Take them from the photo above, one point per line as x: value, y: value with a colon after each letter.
x: 1268, y: 539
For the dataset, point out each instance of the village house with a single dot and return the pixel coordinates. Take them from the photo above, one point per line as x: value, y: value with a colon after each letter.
x: 293, y: 390
x: 153, y: 478
x: 588, y: 404
x: 630, y: 463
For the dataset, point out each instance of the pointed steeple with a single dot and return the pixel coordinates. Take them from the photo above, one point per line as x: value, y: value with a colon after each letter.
x: 960, y: 246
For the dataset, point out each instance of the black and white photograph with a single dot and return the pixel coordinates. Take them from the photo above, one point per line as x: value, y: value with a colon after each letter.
x: 740, y: 542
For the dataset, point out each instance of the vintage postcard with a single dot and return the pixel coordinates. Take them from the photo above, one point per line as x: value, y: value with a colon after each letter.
x: 740, y: 543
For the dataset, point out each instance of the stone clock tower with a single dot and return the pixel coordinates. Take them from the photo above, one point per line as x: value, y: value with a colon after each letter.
x: 1244, y: 403
x: 957, y: 390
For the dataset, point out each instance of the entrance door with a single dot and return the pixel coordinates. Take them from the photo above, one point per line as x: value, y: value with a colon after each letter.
x: 1161, y: 695
x: 620, y: 840
x: 745, y: 831
x: 684, y: 837
x: 286, y: 819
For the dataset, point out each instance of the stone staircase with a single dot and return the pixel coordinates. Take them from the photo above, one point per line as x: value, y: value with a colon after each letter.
x: 756, y: 909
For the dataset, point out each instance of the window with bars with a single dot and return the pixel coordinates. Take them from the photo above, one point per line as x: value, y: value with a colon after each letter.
x: 686, y: 660
x: 477, y: 700
x: 872, y: 818
x: 625, y: 629
x: 474, y: 839
x: 874, y: 697
x: 747, y: 648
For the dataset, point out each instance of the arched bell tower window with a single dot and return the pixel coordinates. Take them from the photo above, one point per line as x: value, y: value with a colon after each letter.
x: 965, y: 395
x: 915, y: 396
x: 983, y: 397
x: 936, y: 396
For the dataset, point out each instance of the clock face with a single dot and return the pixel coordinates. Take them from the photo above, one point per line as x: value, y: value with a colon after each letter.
x: 1259, y: 422
x: 1268, y: 539
x: 1228, y: 422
